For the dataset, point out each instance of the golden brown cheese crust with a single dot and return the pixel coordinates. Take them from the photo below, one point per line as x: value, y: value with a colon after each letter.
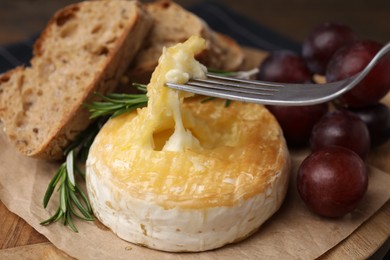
x: 243, y: 152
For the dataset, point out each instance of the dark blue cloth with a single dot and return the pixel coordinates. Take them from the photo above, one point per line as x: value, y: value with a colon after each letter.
x: 244, y: 30
x: 220, y: 18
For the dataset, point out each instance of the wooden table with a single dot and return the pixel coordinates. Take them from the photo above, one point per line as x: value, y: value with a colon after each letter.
x: 21, y: 18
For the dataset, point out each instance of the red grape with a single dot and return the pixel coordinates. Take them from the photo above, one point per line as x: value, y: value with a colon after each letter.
x: 353, y: 58
x: 341, y: 128
x: 332, y: 181
x: 323, y: 42
x: 296, y: 122
x: 377, y: 119
x: 284, y: 66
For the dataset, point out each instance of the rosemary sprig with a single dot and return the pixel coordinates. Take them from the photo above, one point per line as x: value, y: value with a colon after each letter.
x: 73, y: 202
x: 70, y: 196
x: 115, y: 104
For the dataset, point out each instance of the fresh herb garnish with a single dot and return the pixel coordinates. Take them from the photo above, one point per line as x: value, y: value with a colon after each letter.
x: 115, y: 104
x: 73, y: 201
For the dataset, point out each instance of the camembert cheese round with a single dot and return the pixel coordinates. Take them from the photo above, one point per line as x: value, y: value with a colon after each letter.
x: 186, y: 175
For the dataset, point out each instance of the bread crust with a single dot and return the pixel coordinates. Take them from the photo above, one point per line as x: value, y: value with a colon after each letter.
x: 222, y: 52
x: 72, y: 120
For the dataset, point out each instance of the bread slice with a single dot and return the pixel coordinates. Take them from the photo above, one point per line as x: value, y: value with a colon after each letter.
x: 174, y: 24
x: 223, y: 53
x: 86, y: 47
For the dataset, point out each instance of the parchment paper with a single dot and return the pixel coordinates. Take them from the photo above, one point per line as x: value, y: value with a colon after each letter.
x: 293, y: 232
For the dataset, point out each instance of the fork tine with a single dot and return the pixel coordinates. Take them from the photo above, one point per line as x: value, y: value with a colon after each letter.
x: 259, y: 85
x: 229, y: 86
x: 220, y: 92
x: 246, y: 81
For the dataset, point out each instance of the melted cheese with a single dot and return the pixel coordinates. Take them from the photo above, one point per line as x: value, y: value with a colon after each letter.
x: 176, y: 65
x: 181, y: 175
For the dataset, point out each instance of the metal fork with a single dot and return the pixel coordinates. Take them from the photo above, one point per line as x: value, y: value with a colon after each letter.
x: 271, y: 93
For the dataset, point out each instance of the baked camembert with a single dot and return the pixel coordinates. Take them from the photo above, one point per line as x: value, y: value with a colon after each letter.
x: 186, y: 175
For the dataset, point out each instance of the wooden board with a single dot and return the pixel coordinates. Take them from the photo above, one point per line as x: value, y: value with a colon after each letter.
x: 18, y: 240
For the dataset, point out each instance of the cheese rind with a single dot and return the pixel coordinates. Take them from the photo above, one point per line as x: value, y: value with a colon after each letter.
x: 179, y: 229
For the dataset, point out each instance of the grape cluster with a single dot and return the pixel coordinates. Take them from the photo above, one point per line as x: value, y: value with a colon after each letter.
x: 332, y: 180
